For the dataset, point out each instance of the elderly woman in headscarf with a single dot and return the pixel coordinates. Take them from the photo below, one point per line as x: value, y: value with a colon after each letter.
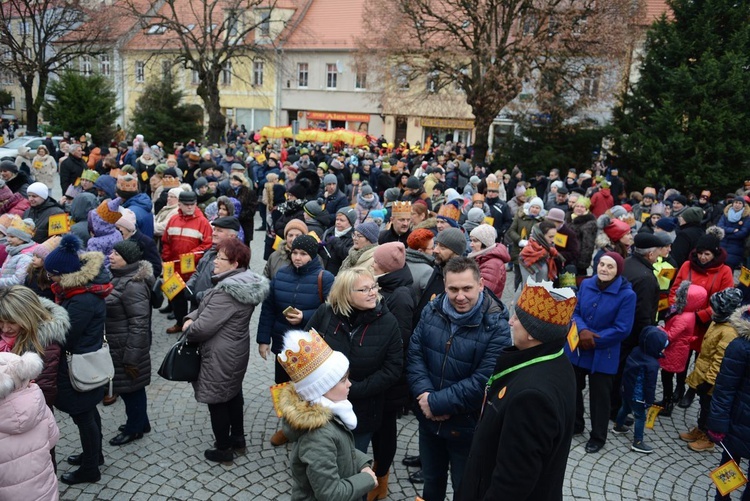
x: 44, y: 167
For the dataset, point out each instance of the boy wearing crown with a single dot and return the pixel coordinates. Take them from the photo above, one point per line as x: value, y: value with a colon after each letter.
x: 400, y: 225
x: 318, y: 419
x: 520, y: 447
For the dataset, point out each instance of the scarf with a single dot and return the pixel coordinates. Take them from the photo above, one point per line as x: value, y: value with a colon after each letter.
x: 101, y: 290
x: 458, y: 320
x: 343, y: 410
x: 7, y: 343
x: 340, y: 234
x: 735, y: 216
x: 537, y: 252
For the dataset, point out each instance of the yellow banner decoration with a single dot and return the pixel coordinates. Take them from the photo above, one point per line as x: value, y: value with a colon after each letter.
x: 59, y: 224
x: 651, y: 415
x: 187, y: 263
x: 728, y: 477
x: 168, y: 270
x: 277, y: 242
x: 573, y: 337
x: 173, y: 286
x: 561, y: 240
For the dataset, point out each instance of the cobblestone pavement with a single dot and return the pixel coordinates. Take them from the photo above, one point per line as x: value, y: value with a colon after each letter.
x: 168, y: 463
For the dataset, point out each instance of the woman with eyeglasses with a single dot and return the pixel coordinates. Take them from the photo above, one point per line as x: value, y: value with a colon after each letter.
x: 220, y: 325
x: 365, y: 240
x: 355, y: 321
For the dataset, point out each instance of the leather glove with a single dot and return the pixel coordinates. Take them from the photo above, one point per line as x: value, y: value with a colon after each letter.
x: 716, y: 437
x: 131, y: 371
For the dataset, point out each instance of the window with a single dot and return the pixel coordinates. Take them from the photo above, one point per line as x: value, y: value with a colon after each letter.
x: 402, y: 77
x: 23, y: 28
x: 188, y: 28
x: 104, y: 65
x: 258, y: 73
x: 140, y: 72
x: 85, y: 66
x: 591, y: 85
x: 196, y: 78
x: 360, y: 81
x: 332, y: 76
x: 6, y: 78
x: 156, y: 29
x: 432, y: 82
x: 234, y: 23
x: 226, y: 73
x: 265, y: 24
x: 166, y: 70
x: 12, y: 105
x: 302, y: 73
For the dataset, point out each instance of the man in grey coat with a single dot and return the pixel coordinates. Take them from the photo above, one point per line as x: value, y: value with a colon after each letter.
x: 197, y: 285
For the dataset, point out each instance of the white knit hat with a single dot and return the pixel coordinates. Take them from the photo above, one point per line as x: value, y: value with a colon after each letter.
x: 38, y: 189
x: 485, y: 234
x: 311, y: 364
x: 16, y: 371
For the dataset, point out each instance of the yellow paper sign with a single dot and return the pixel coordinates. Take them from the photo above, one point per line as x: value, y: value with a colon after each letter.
x: 59, y: 224
x: 187, y: 263
x: 561, y: 240
x: 77, y: 182
x: 668, y: 273
x: 315, y: 236
x: 489, y: 220
x: 728, y: 477
x: 651, y: 415
x: 745, y: 277
x: 167, y: 270
x: 663, y: 304
x: 523, y: 233
x: 277, y: 242
x: 275, y: 392
x: 144, y: 175
x: 573, y: 337
x: 173, y: 286
x: 645, y: 216
x: 38, y: 165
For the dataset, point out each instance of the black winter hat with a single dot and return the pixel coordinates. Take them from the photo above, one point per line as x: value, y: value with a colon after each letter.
x: 307, y: 244
x: 129, y: 250
x: 708, y: 243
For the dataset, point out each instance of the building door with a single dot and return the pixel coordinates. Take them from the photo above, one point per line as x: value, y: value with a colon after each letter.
x: 402, y: 124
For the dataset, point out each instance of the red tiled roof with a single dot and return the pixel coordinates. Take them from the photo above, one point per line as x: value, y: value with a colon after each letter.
x: 654, y: 10
x: 326, y: 24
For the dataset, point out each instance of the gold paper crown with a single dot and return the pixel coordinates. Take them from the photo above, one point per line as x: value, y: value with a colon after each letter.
x: 21, y: 225
x: 539, y: 303
x: 401, y: 209
x: 311, y: 355
x: 531, y: 193
x: 493, y: 185
x: 450, y: 211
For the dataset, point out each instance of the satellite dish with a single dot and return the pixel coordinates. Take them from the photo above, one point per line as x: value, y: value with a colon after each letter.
x: 339, y: 67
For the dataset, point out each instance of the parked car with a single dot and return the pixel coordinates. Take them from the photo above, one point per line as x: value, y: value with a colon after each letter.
x: 9, y: 150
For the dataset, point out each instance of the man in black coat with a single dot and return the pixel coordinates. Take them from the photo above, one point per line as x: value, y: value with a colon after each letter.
x: 639, y: 271
x: 499, y: 210
x: 72, y: 167
x: 530, y: 407
x: 691, y: 230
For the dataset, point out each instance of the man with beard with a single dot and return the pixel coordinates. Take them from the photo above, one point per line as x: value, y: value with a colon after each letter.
x: 400, y: 221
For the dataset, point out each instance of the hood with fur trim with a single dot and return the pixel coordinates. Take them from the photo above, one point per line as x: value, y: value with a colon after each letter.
x: 246, y: 287
x: 91, y: 265
x: 740, y: 320
x: 429, y: 224
x: 689, y: 298
x: 55, y: 330
x: 301, y: 415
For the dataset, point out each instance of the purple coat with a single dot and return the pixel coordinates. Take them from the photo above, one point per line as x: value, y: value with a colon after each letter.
x: 105, y: 236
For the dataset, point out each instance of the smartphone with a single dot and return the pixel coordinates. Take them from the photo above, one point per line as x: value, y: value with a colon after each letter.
x: 288, y: 311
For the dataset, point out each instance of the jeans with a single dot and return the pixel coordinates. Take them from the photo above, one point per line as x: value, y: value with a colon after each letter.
x: 135, y: 410
x: 728, y: 497
x: 90, y: 429
x: 227, y: 421
x: 437, y: 454
x: 600, y: 386
x: 639, y: 415
x: 362, y: 441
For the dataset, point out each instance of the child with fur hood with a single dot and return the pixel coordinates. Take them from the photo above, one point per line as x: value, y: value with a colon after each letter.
x: 318, y: 419
x: 680, y: 327
x: 27, y: 431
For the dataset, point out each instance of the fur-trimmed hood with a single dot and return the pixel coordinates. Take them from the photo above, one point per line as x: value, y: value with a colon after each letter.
x: 745, y: 210
x: 300, y: 415
x: 429, y: 224
x: 55, y: 330
x: 689, y: 298
x: 246, y: 287
x: 740, y: 320
x: 91, y: 265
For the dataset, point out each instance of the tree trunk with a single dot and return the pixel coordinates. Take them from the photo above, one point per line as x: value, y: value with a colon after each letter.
x: 208, y: 90
x: 32, y: 115
x: 482, y: 124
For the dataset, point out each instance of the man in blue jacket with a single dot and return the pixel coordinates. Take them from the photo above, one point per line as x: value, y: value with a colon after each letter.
x: 451, y: 356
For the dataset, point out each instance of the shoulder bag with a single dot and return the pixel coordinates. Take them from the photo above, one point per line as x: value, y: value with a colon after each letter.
x: 89, y: 371
x: 183, y: 361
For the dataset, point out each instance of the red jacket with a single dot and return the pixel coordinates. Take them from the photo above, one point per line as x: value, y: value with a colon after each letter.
x: 714, y: 278
x: 681, y: 330
x: 601, y: 201
x: 185, y: 234
x: 491, y: 263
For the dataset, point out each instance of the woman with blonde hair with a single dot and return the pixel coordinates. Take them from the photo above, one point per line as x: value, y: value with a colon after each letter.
x: 355, y: 321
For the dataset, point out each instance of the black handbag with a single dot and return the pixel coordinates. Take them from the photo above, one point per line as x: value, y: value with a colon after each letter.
x: 183, y: 361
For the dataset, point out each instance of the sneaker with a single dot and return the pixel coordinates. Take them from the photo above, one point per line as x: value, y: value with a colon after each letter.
x: 702, y: 445
x: 641, y: 447
x: 620, y: 430
x: 692, y: 435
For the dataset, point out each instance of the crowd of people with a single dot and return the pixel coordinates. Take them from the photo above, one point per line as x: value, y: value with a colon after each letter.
x: 381, y: 295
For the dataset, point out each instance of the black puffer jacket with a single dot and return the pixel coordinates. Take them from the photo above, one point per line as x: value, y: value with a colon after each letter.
x: 40, y: 215
x: 371, y: 340
x: 685, y: 241
x: 585, y: 229
x: 335, y: 249
x: 129, y: 324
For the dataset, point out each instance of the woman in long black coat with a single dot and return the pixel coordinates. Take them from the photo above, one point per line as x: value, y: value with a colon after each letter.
x: 129, y: 335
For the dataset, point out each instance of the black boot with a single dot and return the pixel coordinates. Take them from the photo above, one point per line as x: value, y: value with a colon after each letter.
x: 77, y: 477
x: 687, y: 400
x: 667, y: 410
x: 219, y: 456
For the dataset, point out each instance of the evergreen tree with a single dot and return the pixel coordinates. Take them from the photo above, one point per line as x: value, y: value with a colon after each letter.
x: 81, y: 104
x: 684, y: 123
x: 158, y: 114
